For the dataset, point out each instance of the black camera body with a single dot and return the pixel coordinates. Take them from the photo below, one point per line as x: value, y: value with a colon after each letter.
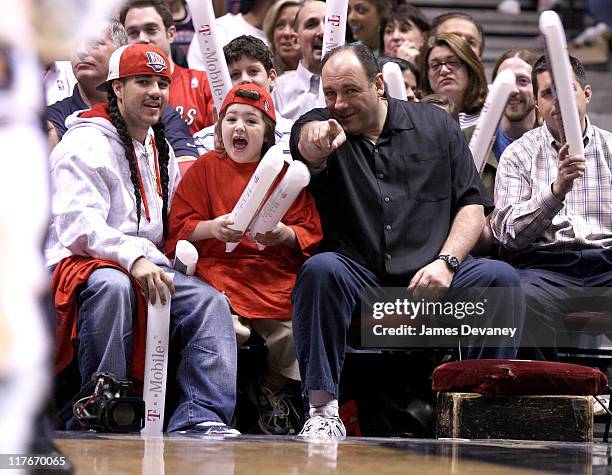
x: 108, y: 408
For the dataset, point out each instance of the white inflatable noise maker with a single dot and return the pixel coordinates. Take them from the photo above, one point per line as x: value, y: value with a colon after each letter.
x: 558, y: 58
x: 285, y: 194
x: 185, y: 257
x: 394, y: 80
x: 334, y: 32
x: 256, y: 191
x: 490, y: 116
x: 212, y: 51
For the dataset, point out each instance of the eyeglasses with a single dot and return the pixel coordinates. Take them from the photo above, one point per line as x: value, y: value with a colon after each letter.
x: 451, y: 64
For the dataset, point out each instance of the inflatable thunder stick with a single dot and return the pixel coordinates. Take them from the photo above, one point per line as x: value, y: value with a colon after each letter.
x: 558, y: 57
x: 394, y: 81
x: 294, y: 181
x: 334, y: 34
x: 256, y: 191
x: 492, y: 111
x: 156, y: 364
x: 185, y: 257
x: 212, y: 51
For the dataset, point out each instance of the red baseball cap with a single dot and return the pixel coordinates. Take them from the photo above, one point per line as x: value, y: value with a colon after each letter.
x: 252, y: 95
x: 135, y: 60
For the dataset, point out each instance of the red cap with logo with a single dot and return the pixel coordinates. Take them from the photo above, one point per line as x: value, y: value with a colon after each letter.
x: 136, y: 60
x: 252, y: 95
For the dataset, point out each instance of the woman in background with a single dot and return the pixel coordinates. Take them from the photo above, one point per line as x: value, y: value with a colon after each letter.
x: 448, y: 66
x: 282, y: 38
x: 404, y: 30
x: 364, y: 20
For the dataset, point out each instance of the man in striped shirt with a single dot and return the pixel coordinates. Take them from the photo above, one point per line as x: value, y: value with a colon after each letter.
x: 553, y: 211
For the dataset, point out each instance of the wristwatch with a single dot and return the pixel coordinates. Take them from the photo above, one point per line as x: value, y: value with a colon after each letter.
x: 451, y: 261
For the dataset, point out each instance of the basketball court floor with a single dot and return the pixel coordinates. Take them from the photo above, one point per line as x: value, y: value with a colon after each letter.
x: 258, y: 455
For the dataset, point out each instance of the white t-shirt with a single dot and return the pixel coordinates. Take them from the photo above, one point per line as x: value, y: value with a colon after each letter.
x: 227, y: 27
x: 58, y: 81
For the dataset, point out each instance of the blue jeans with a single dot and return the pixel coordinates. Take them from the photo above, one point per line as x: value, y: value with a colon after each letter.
x: 201, y: 335
x: 328, y: 290
x: 552, y: 282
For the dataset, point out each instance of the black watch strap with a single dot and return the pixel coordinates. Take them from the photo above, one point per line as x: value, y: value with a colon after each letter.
x: 451, y: 261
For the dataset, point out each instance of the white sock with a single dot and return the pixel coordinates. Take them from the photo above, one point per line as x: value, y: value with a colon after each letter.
x: 322, y: 403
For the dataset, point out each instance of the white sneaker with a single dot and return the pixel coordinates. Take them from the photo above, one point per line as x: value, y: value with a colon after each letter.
x: 211, y: 428
x: 510, y: 7
x: 592, y: 34
x: 598, y: 409
x: 323, y: 428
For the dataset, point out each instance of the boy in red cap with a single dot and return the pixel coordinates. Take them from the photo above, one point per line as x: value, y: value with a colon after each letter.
x: 257, y: 283
x: 114, y: 176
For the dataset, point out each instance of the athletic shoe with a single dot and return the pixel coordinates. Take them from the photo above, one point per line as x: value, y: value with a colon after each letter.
x: 274, y: 409
x: 210, y: 428
x: 323, y: 428
x: 598, y: 409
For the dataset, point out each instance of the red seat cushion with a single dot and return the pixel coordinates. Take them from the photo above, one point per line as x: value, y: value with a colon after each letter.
x: 518, y: 377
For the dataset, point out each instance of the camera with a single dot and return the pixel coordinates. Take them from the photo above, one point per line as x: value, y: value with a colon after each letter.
x: 108, y: 408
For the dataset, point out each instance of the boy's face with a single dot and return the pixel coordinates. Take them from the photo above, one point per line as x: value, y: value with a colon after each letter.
x: 249, y: 70
x: 242, y: 131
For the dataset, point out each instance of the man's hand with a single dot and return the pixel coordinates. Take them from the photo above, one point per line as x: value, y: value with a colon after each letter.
x: 153, y: 280
x: 570, y: 167
x: 220, y: 229
x: 436, y: 277
x: 282, y: 234
x: 319, y: 139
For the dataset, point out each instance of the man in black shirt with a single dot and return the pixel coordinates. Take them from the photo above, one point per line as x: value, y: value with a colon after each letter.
x: 401, y: 205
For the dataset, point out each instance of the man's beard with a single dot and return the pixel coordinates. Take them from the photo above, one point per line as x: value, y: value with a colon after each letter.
x: 520, y: 114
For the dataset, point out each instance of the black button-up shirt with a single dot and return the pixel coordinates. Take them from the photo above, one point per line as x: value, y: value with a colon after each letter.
x: 390, y: 205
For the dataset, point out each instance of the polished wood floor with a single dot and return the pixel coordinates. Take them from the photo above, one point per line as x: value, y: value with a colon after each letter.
x: 255, y: 455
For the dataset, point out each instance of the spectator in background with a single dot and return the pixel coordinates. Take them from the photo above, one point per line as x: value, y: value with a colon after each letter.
x: 183, y: 24
x: 297, y: 92
x: 444, y: 103
x: 249, y: 60
x: 150, y: 21
x: 282, y: 38
x: 90, y: 66
x: 448, y: 66
x: 461, y: 24
x: 409, y: 72
x: 404, y: 30
x: 364, y: 19
x: 520, y: 114
x: 553, y: 215
x: 230, y: 26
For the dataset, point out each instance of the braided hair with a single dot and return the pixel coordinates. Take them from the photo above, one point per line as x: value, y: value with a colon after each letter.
x: 163, y: 157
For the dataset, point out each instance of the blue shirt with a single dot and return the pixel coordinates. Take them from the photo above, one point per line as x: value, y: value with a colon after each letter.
x: 177, y: 132
x: 501, y: 142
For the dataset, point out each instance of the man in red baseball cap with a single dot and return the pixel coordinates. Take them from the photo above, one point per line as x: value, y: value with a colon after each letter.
x: 114, y: 175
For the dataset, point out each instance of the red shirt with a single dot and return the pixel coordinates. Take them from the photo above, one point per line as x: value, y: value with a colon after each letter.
x: 257, y: 283
x: 190, y: 96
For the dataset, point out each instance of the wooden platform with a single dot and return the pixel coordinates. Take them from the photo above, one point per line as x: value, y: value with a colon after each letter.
x: 474, y: 416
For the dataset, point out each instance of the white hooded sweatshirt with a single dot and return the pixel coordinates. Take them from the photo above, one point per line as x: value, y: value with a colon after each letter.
x: 93, y: 205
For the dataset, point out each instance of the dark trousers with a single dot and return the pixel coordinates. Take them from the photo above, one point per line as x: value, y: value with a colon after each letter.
x: 328, y: 290
x: 558, y: 283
